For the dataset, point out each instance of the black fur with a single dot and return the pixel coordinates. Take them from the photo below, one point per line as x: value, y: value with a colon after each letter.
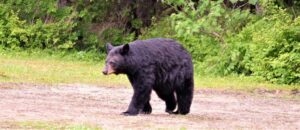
x: 159, y: 64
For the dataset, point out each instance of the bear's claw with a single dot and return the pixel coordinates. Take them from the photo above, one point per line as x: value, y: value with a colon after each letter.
x: 128, y: 113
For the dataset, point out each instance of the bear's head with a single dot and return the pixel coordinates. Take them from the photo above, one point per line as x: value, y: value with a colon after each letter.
x: 115, y: 61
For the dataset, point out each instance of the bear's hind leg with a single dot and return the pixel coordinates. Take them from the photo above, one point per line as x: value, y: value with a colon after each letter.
x: 147, y: 108
x: 169, y: 99
x: 170, y: 103
x: 185, y: 97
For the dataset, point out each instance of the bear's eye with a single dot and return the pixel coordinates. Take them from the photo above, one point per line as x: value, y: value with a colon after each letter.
x: 112, y: 63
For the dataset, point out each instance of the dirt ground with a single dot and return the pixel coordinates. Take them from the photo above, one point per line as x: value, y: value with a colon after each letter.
x: 101, y: 106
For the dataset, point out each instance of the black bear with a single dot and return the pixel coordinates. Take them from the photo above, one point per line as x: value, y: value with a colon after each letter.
x: 160, y: 64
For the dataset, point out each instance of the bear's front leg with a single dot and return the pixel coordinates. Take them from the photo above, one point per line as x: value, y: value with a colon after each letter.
x: 140, y: 98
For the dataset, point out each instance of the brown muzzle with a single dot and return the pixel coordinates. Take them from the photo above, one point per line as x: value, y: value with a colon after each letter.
x: 108, y: 70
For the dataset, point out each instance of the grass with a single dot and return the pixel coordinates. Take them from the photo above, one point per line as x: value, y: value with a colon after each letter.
x: 241, y: 83
x: 80, y: 67
x: 48, y: 125
x: 40, y: 67
x: 51, y: 71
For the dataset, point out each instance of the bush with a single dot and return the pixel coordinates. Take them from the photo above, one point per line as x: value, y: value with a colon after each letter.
x: 203, y: 30
x: 269, y: 48
x: 15, y: 32
x: 226, y: 41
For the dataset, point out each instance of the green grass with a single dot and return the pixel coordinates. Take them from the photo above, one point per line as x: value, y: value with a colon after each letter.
x: 52, y: 71
x: 240, y: 83
x: 48, y: 67
x: 52, y: 67
x: 48, y: 125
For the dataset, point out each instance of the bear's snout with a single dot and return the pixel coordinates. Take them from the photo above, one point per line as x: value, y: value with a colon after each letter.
x: 104, y: 72
x: 108, y: 70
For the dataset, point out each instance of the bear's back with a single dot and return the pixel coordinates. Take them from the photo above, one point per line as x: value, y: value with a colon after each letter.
x: 166, y: 57
x: 160, y: 48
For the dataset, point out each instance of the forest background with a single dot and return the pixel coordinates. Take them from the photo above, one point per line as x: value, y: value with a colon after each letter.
x: 256, y: 39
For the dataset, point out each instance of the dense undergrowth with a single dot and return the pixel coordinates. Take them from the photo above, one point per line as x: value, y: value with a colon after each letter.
x: 224, y: 40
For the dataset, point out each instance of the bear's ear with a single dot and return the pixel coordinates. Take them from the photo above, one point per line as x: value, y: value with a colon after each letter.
x: 125, y: 49
x: 108, y: 47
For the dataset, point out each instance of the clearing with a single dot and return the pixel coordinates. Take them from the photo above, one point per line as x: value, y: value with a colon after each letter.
x: 100, y: 107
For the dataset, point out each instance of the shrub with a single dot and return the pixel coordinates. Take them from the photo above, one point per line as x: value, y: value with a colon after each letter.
x: 15, y: 32
x: 269, y: 48
x: 226, y: 41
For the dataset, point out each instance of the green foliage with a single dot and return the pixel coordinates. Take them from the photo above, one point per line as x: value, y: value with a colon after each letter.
x: 44, y: 24
x: 159, y: 29
x: 292, y: 7
x: 94, y: 12
x: 268, y: 48
x: 203, y: 29
x: 222, y: 40
x: 115, y: 35
x: 253, y: 2
x: 233, y: 41
x: 15, y: 32
x: 137, y: 23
